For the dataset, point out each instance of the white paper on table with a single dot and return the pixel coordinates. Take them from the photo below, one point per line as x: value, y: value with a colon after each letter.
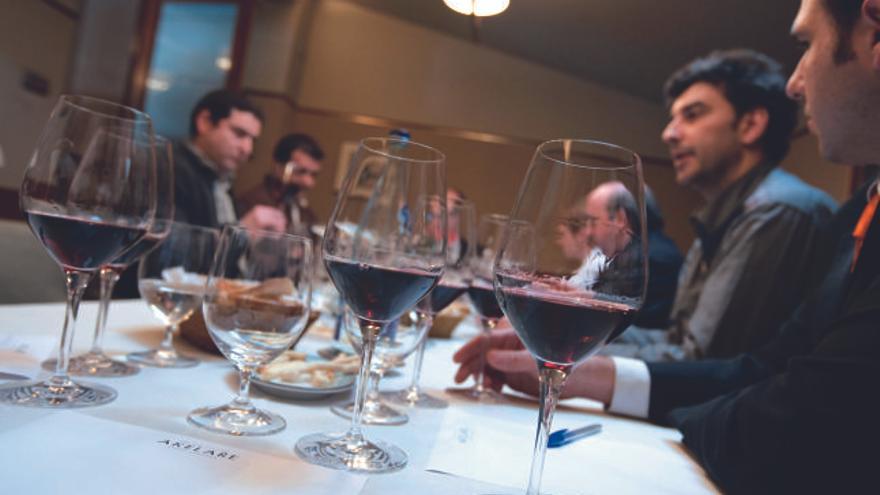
x: 72, y: 452
x: 499, y: 451
x: 428, y: 483
x: 24, y: 356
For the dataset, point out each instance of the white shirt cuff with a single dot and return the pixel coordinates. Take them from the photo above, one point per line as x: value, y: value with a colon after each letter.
x: 632, y: 387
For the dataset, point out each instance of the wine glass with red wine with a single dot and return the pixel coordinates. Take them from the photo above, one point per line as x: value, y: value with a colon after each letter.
x: 95, y: 362
x: 461, y: 241
x: 89, y: 193
x: 383, y: 253
x: 561, y: 317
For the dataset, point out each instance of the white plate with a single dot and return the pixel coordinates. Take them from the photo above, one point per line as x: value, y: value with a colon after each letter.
x: 304, y: 392
x: 343, y: 382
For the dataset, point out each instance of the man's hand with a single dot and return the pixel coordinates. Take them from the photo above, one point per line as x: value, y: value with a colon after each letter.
x: 508, y: 362
x: 262, y: 217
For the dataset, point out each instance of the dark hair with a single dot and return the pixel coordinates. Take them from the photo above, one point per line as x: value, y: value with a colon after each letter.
x: 292, y: 142
x: 845, y: 14
x: 749, y: 80
x: 219, y: 104
x: 621, y: 199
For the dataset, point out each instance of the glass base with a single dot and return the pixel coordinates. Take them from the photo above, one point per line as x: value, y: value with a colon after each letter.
x: 56, y: 393
x: 479, y: 394
x: 340, y: 451
x: 417, y: 399
x: 375, y: 413
x: 94, y: 364
x: 233, y: 420
x: 161, y: 358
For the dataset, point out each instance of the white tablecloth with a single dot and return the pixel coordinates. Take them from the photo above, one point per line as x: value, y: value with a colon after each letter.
x: 142, y: 443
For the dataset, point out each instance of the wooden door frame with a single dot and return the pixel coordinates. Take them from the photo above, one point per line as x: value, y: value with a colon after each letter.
x: 146, y: 39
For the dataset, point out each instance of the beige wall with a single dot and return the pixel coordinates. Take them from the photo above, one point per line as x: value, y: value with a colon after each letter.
x: 363, y: 62
x: 33, y: 38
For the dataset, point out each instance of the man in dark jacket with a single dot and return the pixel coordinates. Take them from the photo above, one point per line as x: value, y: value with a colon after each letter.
x: 223, y: 128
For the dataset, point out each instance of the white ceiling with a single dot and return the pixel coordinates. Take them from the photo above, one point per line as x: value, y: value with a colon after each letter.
x: 631, y: 45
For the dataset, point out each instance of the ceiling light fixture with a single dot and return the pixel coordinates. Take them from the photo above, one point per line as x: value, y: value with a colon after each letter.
x: 478, y: 8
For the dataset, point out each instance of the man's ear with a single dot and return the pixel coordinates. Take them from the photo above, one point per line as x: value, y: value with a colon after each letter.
x: 871, y: 12
x: 752, y: 125
x: 203, y: 122
x: 621, y: 220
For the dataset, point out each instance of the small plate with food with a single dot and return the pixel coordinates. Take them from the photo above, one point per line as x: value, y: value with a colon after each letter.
x: 300, y: 376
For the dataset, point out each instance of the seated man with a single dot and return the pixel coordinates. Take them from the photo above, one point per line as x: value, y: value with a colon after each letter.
x: 297, y: 165
x: 223, y: 127
x: 730, y: 126
x: 577, y: 239
x: 800, y: 414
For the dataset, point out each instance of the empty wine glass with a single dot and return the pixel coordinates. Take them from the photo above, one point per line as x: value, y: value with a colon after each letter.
x: 171, y: 279
x: 461, y: 233
x: 95, y: 362
x: 559, y: 317
x: 394, y: 343
x: 256, y: 305
x: 89, y: 193
x: 382, y: 257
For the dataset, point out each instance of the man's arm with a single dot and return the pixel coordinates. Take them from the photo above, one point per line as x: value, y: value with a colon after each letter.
x: 812, y: 427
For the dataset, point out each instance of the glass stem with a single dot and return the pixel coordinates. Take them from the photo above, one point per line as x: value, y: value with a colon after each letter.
x: 369, y: 332
x: 77, y: 282
x: 108, y: 281
x: 551, y: 381
x: 375, y: 378
x: 487, y: 324
x: 243, y: 400
x: 427, y: 320
x: 167, y: 339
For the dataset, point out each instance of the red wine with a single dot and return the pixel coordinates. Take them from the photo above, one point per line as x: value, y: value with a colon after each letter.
x: 559, y: 329
x: 483, y: 298
x: 444, y: 294
x: 132, y: 254
x: 379, y: 293
x: 79, y: 244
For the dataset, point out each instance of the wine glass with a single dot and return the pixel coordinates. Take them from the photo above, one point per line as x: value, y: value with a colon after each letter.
x: 482, y: 297
x: 89, y: 193
x: 171, y: 279
x: 95, y: 362
x: 256, y: 305
x: 382, y: 257
x: 559, y: 318
x: 461, y: 233
x: 395, y: 342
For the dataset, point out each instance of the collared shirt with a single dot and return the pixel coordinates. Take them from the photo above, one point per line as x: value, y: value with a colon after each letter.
x: 748, y: 267
x: 221, y: 187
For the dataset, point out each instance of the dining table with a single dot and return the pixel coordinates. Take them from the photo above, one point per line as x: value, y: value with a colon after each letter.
x: 142, y: 443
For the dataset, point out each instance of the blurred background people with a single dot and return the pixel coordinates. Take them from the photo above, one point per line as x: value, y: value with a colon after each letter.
x: 295, y: 172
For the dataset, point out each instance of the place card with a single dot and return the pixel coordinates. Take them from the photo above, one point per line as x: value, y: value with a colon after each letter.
x: 73, y: 452
x: 619, y: 461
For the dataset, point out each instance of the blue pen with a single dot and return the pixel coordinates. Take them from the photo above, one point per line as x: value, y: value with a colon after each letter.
x: 565, y: 436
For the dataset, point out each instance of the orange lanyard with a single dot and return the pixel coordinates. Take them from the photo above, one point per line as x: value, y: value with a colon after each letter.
x: 862, y: 227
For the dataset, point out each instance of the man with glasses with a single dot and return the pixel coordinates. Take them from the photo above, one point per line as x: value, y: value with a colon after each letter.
x: 295, y: 172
